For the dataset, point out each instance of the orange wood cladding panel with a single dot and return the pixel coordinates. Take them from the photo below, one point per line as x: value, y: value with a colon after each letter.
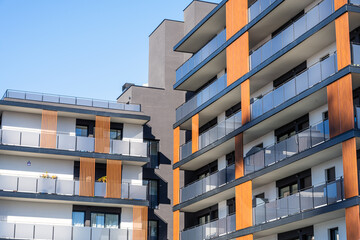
x: 339, y: 3
x: 352, y: 222
x: 236, y: 16
x: 195, y: 133
x: 176, y: 186
x: 247, y: 237
x: 350, y: 168
x: 48, y: 129
x: 343, y: 41
x: 239, y: 156
x: 237, y: 58
x: 176, y: 145
x: 176, y: 225
x: 113, y: 179
x: 87, y: 177
x: 245, y: 102
x: 102, y: 134
x: 243, y: 201
x: 140, y: 223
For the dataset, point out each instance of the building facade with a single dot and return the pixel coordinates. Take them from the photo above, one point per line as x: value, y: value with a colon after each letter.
x: 72, y: 168
x: 266, y: 143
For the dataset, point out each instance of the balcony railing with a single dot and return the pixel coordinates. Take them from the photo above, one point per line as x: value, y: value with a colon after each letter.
x: 210, y: 230
x: 302, y: 141
x: 355, y: 2
x: 85, y: 102
x: 66, y: 187
x: 303, y: 24
x: 303, y: 81
x: 258, y: 7
x: 201, y: 55
x: 55, y: 232
x: 211, y: 182
x: 200, y: 98
x: 356, y: 53
x: 308, y: 199
x: 72, y: 143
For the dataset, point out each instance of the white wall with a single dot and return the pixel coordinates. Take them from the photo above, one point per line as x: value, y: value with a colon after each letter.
x: 267, y: 140
x: 269, y: 190
x: 132, y: 132
x: 21, y: 121
x: 126, y: 218
x: 66, y: 125
x: 321, y: 230
x: 317, y: 56
x: 36, y: 213
x: 17, y: 166
x: 318, y: 175
x: 262, y: 91
x: 132, y: 174
x: 316, y: 116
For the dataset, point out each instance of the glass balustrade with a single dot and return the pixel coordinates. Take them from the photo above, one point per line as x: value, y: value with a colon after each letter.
x: 258, y: 7
x: 10, y: 230
x: 211, y: 182
x: 185, y: 150
x: 56, y: 186
x: 288, y: 35
x: 85, y: 102
x: 72, y: 143
x: 355, y: 2
x: 303, y: 81
x: 210, y: 230
x: 355, y: 53
x: 307, y: 199
x: 201, y: 97
x: 301, y: 141
x: 201, y: 55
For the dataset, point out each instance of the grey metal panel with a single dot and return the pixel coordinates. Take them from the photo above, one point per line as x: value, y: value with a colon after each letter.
x: 46, y: 185
x: 44, y: 232
x: 100, y: 234
x: 7, y: 230
x: 62, y: 232
x: 65, y: 187
x: 8, y: 183
x: 81, y: 233
x: 27, y: 184
x: 24, y: 231
x: 66, y: 142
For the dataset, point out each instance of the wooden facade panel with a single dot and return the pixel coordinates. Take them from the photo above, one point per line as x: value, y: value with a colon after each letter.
x: 176, y: 225
x: 352, y: 222
x: 102, y: 134
x: 350, y: 168
x: 339, y: 3
x: 239, y: 156
x: 176, y: 186
x: 176, y: 145
x: 333, y: 108
x: 140, y: 223
x: 237, y: 58
x: 343, y: 41
x: 195, y: 133
x: 48, y: 129
x: 113, y: 179
x: 236, y: 16
x: 245, y: 102
x: 87, y: 177
x: 243, y: 202
x: 346, y: 99
x: 247, y: 237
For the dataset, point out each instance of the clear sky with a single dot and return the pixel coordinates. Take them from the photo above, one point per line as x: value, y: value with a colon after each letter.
x: 85, y: 48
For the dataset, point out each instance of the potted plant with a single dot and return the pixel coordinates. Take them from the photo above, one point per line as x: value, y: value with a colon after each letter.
x: 46, y: 183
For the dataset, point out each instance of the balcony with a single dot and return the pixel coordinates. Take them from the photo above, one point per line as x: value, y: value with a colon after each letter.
x: 210, y: 230
x: 303, y: 81
x: 67, y: 187
x: 307, y: 199
x: 355, y: 2
x: 209, y: 183
x: 202, y: 97
x: 201, y: 55
x: 302, y: 141
x: 291, y: 33
x: 355, y: 47
x: 258, y: 7
x: 37, y: 231
x: 75, y: 101
x: 72, y: 143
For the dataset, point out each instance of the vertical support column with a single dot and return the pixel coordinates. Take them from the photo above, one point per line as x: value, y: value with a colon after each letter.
x: 113, y: 179
x: 87, y: 177
x: 102, y: 134
x: 339, y: 3
x: 176, y: 225
x: 239, y: 156
x: 245, y: 102
x: 236, y: 16
x: 48, y: 129
x: 243, y: 205
x: 195, y: 133
x: 343, y: 41
x: 351, y: 188
x: 176, y: 185
x: 237, y: 58
x: 140, y: 223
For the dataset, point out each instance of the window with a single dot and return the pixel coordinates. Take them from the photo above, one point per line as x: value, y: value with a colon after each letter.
x: 231, y: 206
x: 153, y: 229
x: 102, y: 220
x: 334, y: 234
x: 288, y: 190
x: 115, y: 134
x: 82, y: 131
x: 78, y: 219
x: 154, y: 154
x: 292, y: 128
x: 292, y: 184
x: 330, y: 174
x: 230, y: 158
x: 204, y: 219
x: 259, y: 199
x: 153, y: 193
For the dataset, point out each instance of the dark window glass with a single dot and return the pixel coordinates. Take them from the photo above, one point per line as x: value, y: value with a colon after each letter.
x: 204, y: 219
x: 230, y: 158
x: 115, y: 134
x: 292, y: 184
x: 153, y: 230
x: 292, y: 128
x: 231, y: 206
x: 103, y: 220
x: 334, y: 234
x: 330, y: 174
x: 233, y: 109
x: 154, y: 154
x: 208, y: 125
x: 78, y: 219
x: 153, y: 193
x: 82, y: 131
x: 259, y: 199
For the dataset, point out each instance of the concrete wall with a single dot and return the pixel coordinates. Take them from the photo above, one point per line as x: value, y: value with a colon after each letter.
x: 21, y: 121
x: 321, y: 230
x: 132, y: 132
x: 66, y: 125
x: 126, y: 218
x: 132, y: 174
x: 195, y: 12
x: 35, y: 212
x: 269, y: 189
x: 318, y: 175
x: 316, y: 116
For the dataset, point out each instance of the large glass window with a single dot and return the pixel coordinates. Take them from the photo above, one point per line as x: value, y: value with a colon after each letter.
x: 115, y: 134
x: 334, y: 234
x: 153, y: 192
x: 82, y: 131
x: 154, y: 154
x: 101, y: 220
x: 78, y: 219
x: 153, y: 230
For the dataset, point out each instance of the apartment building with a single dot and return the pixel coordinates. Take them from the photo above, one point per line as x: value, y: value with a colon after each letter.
x: 266, y: 143
x: 72, y: 168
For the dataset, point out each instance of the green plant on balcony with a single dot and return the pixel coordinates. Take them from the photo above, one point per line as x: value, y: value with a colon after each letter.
x: 102, y: 179
x: 46, y: 175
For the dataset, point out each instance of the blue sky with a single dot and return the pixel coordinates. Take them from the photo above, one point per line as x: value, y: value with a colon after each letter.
x: 85, y: 48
